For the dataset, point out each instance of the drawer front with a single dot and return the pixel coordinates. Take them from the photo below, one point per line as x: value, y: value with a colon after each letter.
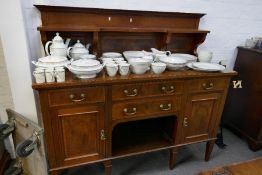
x: 207, y: 84
x: 130, y: 91
x: 122, y: 110
x: 76, y: 96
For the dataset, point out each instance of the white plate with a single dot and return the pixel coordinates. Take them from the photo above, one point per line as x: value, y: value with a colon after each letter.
x: 112, y: 55
x: 208, y: 66
x: 188, y: 57
x: 190, y: 65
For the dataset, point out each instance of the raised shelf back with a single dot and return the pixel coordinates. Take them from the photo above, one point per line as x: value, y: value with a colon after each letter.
x: 120, y: 30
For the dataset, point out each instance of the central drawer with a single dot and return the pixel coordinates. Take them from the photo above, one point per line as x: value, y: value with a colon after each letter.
x: 147, y: 107
x: 141, y: 90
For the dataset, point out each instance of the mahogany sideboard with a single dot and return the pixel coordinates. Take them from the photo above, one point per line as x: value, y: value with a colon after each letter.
x: 97, y: 120
x: 243, y: 112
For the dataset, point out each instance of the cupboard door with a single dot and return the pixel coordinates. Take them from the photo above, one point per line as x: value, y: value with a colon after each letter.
x: 77, y: 134
x: 202, y: 112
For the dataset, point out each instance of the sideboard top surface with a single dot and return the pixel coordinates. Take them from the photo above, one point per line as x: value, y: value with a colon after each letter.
x: 104, y: 79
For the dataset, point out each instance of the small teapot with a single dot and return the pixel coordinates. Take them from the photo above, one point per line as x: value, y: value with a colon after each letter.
x: 77, y: 50
x: 57, y: 47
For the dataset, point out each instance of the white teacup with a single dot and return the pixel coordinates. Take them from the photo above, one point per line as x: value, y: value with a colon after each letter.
x: 124, y: 69
x: 111, y: 69
x: 205, y: 56
x: 60, y: 74
x: 50, y: 75
x: 39, y: 75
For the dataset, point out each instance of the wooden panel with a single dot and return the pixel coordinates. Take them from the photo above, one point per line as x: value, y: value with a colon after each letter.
x: 207, y: 84
x: 62, y: 96
x: 77, y: 134
x: 201, y: 115
x: 57, y: 16
x: 145, y: 107
x: 140, y: 90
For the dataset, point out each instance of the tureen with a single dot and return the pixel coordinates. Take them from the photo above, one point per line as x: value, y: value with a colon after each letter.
x: 77, y: 50
x: 57, y: 47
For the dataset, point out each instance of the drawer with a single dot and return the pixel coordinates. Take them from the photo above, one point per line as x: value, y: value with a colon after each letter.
x: 130, y: 91
x: 76, y: 96
x: 122, y: 110
x: 208, y: 84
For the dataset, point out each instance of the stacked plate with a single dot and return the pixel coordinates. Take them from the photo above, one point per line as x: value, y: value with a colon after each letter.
x: 85, y: 68
x: 51, y: 61
x: 207, y: 67
x: 173, y: 62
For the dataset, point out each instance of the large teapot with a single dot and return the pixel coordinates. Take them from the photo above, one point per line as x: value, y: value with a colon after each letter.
x: 77, y: 50
x: 57, y: 47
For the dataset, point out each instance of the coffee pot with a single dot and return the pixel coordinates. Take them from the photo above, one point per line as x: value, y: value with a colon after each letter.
x: 57, y: 47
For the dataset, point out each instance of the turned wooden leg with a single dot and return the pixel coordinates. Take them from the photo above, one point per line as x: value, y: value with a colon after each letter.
x: 108, y: 167
x: 172, y: 158
x: 209, y: 148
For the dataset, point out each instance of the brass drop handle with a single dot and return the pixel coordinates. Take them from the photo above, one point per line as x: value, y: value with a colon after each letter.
x: 185, y: 122
x: 168, y: 91
x: 129, y: 112
x: 208, y: 86
x: 102, y: 135
x: 133, y: 93
x: 73, y: 98
x: 165, y: 107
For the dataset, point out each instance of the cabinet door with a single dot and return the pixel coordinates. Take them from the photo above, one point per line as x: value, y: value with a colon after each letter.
x: 202, y: 112
x: 77, y: 134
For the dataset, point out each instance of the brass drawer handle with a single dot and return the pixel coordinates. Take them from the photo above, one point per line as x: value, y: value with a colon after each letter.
x: 130, y: 94
x: 208, y: 87
x: 165, y: 107
x: 73, y: 98
x: 129, y: 112
x: 168, y: 91
x: 185, y: 123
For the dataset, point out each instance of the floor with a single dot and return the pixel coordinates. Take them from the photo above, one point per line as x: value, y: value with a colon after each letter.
x: 190, y: 160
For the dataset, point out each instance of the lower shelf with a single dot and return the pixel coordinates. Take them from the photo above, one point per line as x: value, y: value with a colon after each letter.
x: 144, y: 135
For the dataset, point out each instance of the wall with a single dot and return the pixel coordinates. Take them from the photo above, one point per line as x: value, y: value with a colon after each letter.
x: 16, y: 53
x: 230, y: 21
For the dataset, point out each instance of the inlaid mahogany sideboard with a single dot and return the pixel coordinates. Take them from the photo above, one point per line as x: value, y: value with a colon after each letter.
x: 101, y: 119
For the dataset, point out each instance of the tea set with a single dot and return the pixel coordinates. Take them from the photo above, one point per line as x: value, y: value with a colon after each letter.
x: 84, y: 65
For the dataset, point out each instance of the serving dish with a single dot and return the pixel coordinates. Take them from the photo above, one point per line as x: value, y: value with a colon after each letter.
x: 85, y: 73
x: 133, y: 54
x: 188, y: 57
x: 173, y: 63
x: 85, y: 63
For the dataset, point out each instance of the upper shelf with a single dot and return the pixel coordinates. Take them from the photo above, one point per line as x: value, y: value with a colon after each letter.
x: 118, y: 29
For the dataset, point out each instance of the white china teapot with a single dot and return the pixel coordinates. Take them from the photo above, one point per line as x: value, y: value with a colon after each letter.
x: 77, y: 50
x: 57, y: 47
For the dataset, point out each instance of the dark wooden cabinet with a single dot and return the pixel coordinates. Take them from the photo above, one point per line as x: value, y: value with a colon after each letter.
x: 243, y: 111
x: 78, y: 134
x: 101, y: 119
